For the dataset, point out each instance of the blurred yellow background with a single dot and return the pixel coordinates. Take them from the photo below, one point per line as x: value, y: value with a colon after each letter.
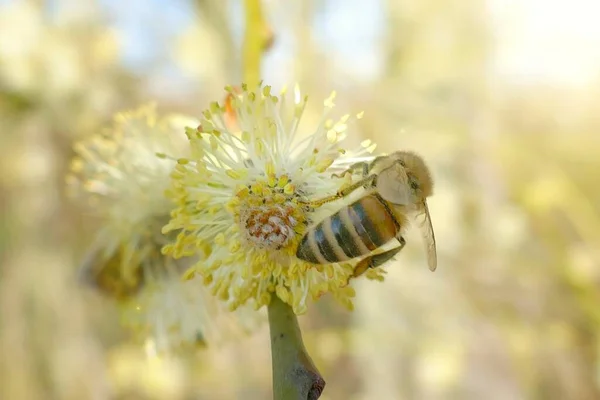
x: 500, y: 97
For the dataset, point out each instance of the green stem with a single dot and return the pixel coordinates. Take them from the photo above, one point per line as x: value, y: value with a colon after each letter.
x: 254, y: 42
x: 295, y: 376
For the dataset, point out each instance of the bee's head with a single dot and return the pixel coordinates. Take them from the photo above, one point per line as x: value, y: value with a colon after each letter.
x: 419, y: 177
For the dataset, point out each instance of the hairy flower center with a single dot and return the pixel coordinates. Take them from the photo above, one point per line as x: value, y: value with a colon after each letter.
x: 268, y: 214
x: 269, y: 227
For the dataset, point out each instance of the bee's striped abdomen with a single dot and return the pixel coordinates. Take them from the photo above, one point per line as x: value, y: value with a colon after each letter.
x: 373, y: 221
x: 353, y: 231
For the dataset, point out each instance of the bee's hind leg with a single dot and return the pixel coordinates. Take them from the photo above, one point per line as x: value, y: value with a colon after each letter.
x: 377, y: 260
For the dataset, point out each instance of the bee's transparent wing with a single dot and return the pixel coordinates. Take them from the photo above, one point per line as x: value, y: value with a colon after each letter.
x: 392, y: 185
x: 426, y: 229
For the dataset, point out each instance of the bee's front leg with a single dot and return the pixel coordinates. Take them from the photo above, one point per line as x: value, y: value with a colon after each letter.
x: 363, y: 167
x: 344, y: 192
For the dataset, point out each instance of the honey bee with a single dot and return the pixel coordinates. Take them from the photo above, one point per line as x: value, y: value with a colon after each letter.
x: 397, y: 185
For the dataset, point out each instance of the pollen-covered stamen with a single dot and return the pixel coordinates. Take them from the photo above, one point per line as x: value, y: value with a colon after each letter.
x: 269, y: 227
x: 268, y: 179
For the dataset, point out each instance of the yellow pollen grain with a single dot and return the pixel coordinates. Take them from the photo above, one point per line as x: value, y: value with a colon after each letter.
x: 329, y: 101
x: 236, y: 173
x: 204, y: 247
x: 259, y: 148
x: 224, y: 296
x: 282, y: 293
x: 214, y: 144
x: 289, y: 188
x: 167, y: 249
x: 202, y: 170
x: 257, y: 268
x: 234, y: 246
x: 215, y: 265
x: 267, y: 191
x: 189, y: 274
x: 298, y: 110
x: 215, y: 209
x: 192, y: 132
x: 340, y: 128
x: 180, y: 168
x: 258, y: 188
x: 300, y: 309
x: 240, y: 195
x: 277, y: 270
x: 283, y: 180
x: 324, y: 164
x: 220, y: 239
x: 332, y: 135
x: 183, y: 161
x: 246, y: 137
x: 254, y: 201
x: 215, y: 108
x: 265, y: 299
x: 245, y: 271
x: 270, y: 168
x: 77, y: 165
x: 176, y: 175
